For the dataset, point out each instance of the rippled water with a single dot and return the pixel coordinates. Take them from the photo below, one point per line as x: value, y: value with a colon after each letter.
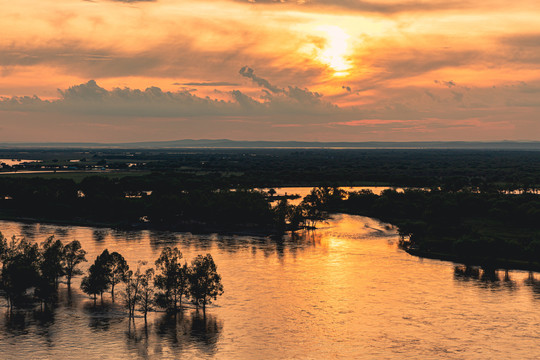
x: 344, y: 291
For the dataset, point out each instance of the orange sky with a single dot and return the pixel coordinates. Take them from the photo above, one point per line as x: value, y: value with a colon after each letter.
x: 74, y: 70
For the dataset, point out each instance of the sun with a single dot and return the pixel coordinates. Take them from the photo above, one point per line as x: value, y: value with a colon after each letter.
x: 335, y: 51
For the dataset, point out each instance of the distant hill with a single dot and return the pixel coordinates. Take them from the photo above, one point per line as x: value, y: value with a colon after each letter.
x: 224, y: 143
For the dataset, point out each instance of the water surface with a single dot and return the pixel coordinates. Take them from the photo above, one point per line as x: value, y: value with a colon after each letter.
x: 344, y: 291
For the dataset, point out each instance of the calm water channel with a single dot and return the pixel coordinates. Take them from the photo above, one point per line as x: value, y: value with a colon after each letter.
x: 344, y: 291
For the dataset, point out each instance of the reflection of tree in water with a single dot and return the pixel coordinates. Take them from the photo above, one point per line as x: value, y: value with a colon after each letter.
x: 269, y: 245
x: 137, y: 338
x: 486, y: 278
x: 16, y: 322
x: 127, y: 235
x: 61, y: 232
x: 99, y: 235
x: 103, y: 316
x: 180, y: 330
x: 45, y: 321
x: 159, y: 239
x: 28, y: 230
x: 205, y: 329
x: 32, y: 316
x: 533, y: 284
x: 25, y: 321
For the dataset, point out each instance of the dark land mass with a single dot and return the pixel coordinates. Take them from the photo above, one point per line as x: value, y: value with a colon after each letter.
x: 479, y: 206
x: 234, y: 168
x: 225, y: 143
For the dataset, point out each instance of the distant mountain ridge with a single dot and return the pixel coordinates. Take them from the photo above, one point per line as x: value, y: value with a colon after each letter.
x: 225, y: 143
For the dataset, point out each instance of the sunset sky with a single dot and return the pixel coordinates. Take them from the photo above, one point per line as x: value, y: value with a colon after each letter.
x: 341, y: 70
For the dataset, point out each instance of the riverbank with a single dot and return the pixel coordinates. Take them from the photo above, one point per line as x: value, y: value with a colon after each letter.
x: 194, y: 228
x: 487, y: 264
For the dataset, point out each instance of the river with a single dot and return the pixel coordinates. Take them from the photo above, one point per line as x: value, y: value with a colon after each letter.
x: 345, y: 291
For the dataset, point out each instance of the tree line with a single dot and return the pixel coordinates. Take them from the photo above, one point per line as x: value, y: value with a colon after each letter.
x: 487, y: 228
x: 165, y: 287
x: 32, y: 271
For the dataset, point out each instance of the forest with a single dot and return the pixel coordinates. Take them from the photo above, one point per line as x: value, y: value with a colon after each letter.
x: 473, y: 206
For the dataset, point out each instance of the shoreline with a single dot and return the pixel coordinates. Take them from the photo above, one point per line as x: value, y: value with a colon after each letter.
x: 193, y: 228
x: 494, y: 264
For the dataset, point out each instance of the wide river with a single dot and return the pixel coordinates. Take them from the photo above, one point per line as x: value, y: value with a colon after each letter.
x: 344, y: 291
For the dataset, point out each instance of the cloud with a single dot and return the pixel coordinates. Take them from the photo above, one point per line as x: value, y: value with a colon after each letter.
x: 380, y: 7
x: 248, y: 72
x: 404, y: 111
x: 90, y: 98
x: 133, y: 1
x: 209, y: 83
x: 445, y: 83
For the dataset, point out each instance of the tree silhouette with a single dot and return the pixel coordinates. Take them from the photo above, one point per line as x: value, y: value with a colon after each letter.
x: 52, y: 258
x: 97, y: 280
x: 205, y: 282
x: 147, y: 292
x: 118, y: 269
x: 134, y: 285
x: 73, y: 256
x: 171, y: 278
x: 20, y: 268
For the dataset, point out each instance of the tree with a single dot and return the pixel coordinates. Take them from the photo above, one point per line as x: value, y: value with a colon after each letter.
x: 20, y: 268
x: 73, y: 256
x: 171, y: 278
x: 205, y: 282
x: 313, y: 206
x: 132, y: 293
x: 281, y: 210
x: 97, y: 280
x: 118, y: 269
x: 147, y: 292
x: 52, y: 259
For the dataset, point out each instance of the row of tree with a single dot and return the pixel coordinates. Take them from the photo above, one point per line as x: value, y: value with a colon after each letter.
x: 165, y: 286
x: 33, y: 271
x: 35, y: 266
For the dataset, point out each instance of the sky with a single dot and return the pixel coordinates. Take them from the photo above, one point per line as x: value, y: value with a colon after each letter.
x: 313, y: 70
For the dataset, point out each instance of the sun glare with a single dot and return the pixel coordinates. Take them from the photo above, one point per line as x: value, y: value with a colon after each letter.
x: 334, y: 53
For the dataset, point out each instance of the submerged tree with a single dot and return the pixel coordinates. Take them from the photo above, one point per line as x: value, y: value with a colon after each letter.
x: 134, y: 286
x: 20, y: 268
x: 171, y: 278
x: 97, y: 280
x: 205, y: 282
x: 118, y: 269
x: 73, y: 256
x: 52, y: 258
x: 147, y: 292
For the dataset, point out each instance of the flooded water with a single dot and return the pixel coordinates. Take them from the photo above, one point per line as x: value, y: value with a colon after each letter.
x: 344, y: 291
x: 11, y: 162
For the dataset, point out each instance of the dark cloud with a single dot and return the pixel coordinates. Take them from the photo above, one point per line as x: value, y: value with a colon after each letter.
x: 248, y: 72
x: 90, y: 98
x: 522, y: 40
x: 449, y: 84
x: 209, y: 83
x: 370, y: 6
x: 522, y: 48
